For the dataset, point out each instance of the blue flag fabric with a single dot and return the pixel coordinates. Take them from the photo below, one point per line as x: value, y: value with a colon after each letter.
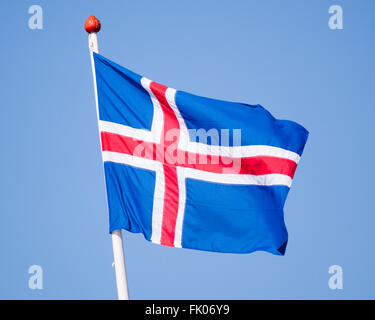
x: 193, y: 172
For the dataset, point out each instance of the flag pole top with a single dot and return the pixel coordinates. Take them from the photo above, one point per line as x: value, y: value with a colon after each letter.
x: 92, y: 24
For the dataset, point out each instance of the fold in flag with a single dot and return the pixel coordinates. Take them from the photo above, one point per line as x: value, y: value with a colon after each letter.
x: 193, y: 172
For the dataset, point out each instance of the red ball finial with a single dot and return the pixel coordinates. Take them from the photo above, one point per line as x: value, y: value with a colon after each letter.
x: 92, y: 24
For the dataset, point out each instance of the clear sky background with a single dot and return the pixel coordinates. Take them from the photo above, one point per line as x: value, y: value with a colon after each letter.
x: 280, y: 54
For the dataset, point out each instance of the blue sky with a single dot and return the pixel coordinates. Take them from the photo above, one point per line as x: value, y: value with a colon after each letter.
x: 281, y: 55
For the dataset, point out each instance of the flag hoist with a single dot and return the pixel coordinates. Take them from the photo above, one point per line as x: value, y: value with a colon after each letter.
x: 92, y: 26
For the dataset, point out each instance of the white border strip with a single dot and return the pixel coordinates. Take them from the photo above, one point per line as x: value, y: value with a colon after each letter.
x: 241, y: 151
x: 158, y: 118
x: 181, y: 207
x: 112, y: 127
x: 239, y: 179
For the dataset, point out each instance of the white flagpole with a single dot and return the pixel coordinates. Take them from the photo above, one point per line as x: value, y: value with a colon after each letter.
x: 92, y: 26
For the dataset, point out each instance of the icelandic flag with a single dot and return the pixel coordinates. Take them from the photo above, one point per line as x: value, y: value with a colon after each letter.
x: 193, y: 172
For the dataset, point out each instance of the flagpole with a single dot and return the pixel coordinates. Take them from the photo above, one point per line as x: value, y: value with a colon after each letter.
x: 92, y: 26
